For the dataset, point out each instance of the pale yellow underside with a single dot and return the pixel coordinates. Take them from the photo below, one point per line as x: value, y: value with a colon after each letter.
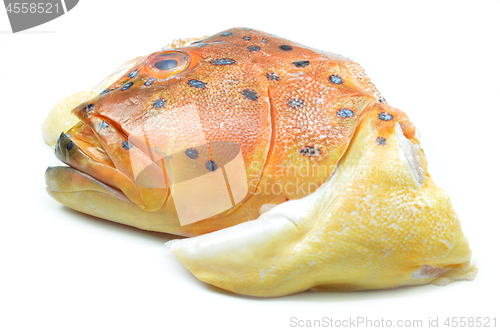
x: 372, y: 226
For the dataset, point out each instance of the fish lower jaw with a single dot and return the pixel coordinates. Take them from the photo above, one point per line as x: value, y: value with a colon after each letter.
x: 67, y: 180
x: 84, y: 193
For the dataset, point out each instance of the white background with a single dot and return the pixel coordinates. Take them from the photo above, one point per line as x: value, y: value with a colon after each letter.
x: 61, y: 270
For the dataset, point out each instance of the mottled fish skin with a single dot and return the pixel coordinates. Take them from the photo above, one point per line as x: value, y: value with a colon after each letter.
x: 291, y: 110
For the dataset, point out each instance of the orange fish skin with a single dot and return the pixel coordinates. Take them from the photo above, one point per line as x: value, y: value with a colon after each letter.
x: 292, y: 111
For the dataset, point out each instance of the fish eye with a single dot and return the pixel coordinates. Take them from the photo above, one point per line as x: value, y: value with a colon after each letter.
x: 166, y: 64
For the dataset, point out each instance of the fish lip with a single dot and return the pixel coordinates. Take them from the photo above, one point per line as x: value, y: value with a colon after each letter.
x: 66, y: 179
x: 80, y: 148
x: 65, y: 148
x: 53, y: 179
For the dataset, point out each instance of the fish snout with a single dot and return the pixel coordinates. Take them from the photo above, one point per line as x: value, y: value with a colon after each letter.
x: 63, y: 146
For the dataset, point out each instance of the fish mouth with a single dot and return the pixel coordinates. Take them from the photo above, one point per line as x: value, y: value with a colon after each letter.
x: 91, y: 167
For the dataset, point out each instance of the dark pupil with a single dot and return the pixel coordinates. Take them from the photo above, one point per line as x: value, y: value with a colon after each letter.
x: 166, y: 64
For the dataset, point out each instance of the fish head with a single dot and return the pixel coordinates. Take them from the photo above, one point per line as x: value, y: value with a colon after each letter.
x: 197, y: 131
x: 174, y: 116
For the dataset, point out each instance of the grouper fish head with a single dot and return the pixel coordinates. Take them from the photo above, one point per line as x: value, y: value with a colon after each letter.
x: 199, y: 138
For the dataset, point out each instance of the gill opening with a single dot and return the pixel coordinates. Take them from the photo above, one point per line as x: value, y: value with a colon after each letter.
x: 272, y: 140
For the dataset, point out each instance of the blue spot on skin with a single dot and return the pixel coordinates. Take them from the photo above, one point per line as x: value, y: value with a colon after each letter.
x: 345, y: 113
x: 127, y: 86
x: 246, y: 38
x: 70, y: 145
x: 273, y: 76
x: 133, y: 73
x: 103, y: 125
x: 159, y: 103
x: 105, y: 91
x: 88, y: 108
x: 381, y: 141
x: 286, y: 48
x: 223, y: 62
x: 251, y: 95
x: 301, y: 64
x: 295, y: 103
x: 192, y: 153
x: 211, y: 165
x: 149, y: 81
x: 253, y: 48
x: 335, y: 79
x: 310, y: 151
x: 196, y: 83
x: 385, y: 116
x: 126, y: 145
x: 225, y: 34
